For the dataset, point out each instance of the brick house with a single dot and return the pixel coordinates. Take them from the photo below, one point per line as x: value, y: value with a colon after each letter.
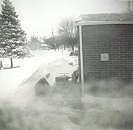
x: 106, y: 46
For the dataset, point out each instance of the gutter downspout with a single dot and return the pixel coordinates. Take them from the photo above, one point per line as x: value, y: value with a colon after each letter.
x: 81, y: 61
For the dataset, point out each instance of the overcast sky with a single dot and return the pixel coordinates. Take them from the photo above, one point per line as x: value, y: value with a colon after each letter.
x: 39, y: 17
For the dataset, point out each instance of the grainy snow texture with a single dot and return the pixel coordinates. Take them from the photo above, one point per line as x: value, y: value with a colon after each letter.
x: 35, y: 67
x: 104, y: 107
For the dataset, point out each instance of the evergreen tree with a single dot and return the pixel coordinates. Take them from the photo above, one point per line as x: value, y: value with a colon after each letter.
x: 12, y: 37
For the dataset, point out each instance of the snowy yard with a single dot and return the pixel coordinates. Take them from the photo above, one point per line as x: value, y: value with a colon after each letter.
x: 42, y: 91
x: 103, y: 107
x: 10, y: 79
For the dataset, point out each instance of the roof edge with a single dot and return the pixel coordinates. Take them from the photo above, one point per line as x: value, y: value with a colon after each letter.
x: 80, y: 23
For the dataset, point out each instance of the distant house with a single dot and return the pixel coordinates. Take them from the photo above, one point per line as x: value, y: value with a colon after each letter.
x: 106, y: 46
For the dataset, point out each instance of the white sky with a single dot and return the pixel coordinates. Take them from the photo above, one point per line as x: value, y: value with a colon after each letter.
x: 39, y: 17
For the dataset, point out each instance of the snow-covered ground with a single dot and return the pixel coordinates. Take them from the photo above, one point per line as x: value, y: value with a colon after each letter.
x: 10, y: 79
x: 63, y: 109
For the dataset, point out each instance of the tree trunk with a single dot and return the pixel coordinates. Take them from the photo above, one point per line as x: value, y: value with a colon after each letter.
x: 64, y: 47
x: 58, y: 48
x: 11, y: 60
x: 72, y: 47
x: 1, y: 65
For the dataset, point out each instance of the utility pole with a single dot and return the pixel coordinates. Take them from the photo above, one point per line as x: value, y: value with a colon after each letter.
x: 129, y: 6
x: 53, y: 37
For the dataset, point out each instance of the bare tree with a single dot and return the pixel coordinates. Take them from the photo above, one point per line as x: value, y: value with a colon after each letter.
x: 35, y: 43
x: 68, y: 32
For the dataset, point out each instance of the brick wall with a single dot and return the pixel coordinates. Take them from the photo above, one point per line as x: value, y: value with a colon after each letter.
x: 116, y: 41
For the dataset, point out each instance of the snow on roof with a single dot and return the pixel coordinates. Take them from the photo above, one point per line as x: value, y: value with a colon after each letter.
x: 61, y: 66
x: 53, y: 69
x: 107, y: 18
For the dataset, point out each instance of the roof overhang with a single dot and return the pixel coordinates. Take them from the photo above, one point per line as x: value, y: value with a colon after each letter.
x: 102, y: 22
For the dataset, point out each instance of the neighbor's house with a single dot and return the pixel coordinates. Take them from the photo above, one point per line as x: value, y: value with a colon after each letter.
x: 106, y: 46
